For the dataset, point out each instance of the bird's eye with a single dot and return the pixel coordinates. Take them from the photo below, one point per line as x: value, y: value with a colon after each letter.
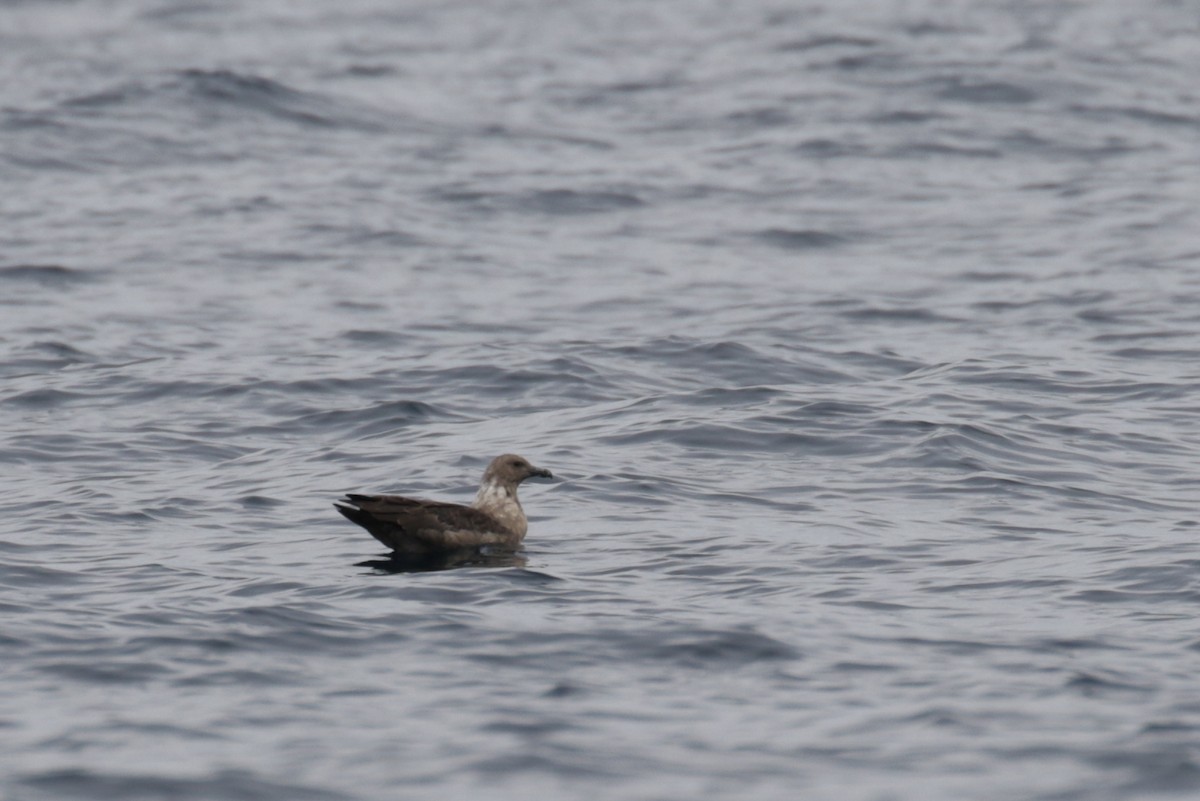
x: 515, y: 463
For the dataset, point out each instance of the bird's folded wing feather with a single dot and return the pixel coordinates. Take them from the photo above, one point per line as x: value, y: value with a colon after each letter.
x: 440, y: 525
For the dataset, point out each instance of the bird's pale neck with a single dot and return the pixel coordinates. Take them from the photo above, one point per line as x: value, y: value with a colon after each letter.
x: 500, y: 501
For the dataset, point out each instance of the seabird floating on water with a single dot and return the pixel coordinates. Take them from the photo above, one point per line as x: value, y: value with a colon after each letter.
x: 417, y: 528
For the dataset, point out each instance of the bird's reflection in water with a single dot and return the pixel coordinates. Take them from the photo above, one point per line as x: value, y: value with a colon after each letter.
x: 448, y: 560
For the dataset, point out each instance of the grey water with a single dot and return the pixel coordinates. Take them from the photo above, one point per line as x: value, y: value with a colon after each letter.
x: 863, y: 339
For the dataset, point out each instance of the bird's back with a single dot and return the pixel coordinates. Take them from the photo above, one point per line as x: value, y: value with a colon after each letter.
x: 413, y: 526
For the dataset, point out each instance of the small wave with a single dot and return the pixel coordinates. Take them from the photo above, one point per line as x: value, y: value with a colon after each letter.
x: 105, y: 672
x: 207, y: 92
x: 79, y: 784
x: 707, y: 648
x: 375, y: 337
x: 828, y: 149
x: 289, y: 628
x: 939, y: 149
x: 368, y: 421
x: 907, y: 117
x: 260, y: 95
x: 1136, y: 113
x: 689, y: 647
x: 38, y: 358
x: 43, y: 398
x: 1092, y: 684
x: 545, y: 201
x: 729, y: 362
x: 799, y: 239
x: 881, y: 314
x: 54, y: 275
x: 826, y: 42
x: 986, y: 92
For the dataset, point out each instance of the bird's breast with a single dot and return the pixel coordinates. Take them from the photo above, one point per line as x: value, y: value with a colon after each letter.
x: 501, y: 503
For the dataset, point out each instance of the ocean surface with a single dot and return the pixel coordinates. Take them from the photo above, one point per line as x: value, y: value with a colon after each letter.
x: 862, y: 338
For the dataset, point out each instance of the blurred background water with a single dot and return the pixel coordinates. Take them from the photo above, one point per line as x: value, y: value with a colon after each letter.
x: 863, y: 337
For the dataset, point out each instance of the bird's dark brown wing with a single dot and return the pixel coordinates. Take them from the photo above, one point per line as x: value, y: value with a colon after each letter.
x: 413, y: 526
